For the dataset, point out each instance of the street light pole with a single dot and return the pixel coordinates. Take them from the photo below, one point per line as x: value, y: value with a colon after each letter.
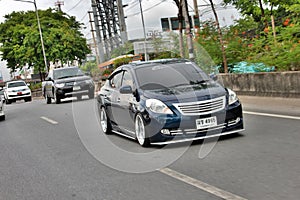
x: 143, y: 23
x: 41, y: 35
x: 40, y: 30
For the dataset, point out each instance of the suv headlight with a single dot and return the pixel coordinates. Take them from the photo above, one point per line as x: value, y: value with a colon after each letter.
x: 90, y: 82
x: 157, y: 106
x: 59, y: 85
x: 232, y: 97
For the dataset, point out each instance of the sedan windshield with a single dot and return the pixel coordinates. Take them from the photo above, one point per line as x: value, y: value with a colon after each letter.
x: 169, y: 76
x: 16, y: 84
x: 66, y: 73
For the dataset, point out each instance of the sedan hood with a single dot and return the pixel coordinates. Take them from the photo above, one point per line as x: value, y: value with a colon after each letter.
x: 73, y: 79
x: 187, y: 93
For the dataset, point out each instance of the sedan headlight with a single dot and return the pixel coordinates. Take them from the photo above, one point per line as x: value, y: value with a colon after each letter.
x: 157, y: 106
x: 59, y: 85
x: 232, y: 97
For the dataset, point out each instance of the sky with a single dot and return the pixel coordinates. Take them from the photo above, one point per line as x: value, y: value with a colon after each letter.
x: 153, y: 10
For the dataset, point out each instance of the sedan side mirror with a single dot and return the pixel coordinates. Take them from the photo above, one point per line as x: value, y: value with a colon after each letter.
x: 127, y: 89
x: 213, y: 76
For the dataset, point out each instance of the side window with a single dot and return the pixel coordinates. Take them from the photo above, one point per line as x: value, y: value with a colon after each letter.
x: 127, y: 79
x: 50, y: 75
x: 116, y: 81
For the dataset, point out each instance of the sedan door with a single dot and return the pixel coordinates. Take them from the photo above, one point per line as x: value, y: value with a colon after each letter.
x: 126, y: 106
x: 113, y: 96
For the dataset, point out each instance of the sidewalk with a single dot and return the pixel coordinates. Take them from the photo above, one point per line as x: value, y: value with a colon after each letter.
x: 277, y: 105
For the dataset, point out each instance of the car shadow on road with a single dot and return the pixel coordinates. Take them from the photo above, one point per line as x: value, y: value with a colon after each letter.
x: 201, y: 141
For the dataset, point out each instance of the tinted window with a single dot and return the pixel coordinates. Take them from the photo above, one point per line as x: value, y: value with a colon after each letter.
x: 16, y: 84
x: 116, y: 81
x: 127, y: 79
x: 66, y: 73
x: 169, y: 75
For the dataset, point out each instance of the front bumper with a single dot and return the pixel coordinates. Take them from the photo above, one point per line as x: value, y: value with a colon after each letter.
x: 18, y: 95
x: 77, y: 90
x: 1, y: 108
x: 179, y: 128
x: 2, y: 113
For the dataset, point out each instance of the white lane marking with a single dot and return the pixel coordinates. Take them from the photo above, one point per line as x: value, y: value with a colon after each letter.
x: 201, y: 185
x: 272, y: 115
x: 49, y: 120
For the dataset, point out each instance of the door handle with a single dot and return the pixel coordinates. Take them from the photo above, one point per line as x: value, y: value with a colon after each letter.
x: 118, y: 100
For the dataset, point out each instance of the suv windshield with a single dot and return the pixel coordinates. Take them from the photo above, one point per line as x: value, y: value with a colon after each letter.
x: 15, y: 84
x: 66, y: 73
x: 169, y: 75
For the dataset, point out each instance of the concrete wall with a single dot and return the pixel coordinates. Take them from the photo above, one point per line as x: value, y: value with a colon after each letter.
x: 277, y: 84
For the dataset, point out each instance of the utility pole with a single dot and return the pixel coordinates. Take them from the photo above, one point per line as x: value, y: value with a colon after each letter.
x: 144, y: 30
x: 109, y: 25
x: 123, y: 29
x: 220, y: 37
x: 196, y: 28
x: 188, y: 29
x: 99, y: 41
x: 180, y: 19
x: 94, y: 39
x: 196, y: 8
x: 59, y: 3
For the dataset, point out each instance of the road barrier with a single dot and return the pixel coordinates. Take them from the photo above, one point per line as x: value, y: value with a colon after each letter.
x: 275, y: 84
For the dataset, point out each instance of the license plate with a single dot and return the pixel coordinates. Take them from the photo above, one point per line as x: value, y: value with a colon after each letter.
x: 19, y: 93
x: 76, y: 87
x: 206, y: 122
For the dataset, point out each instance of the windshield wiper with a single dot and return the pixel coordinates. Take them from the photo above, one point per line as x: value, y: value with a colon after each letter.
x: 200, y: 82
x: 181, y: 84
x: 65, y: 77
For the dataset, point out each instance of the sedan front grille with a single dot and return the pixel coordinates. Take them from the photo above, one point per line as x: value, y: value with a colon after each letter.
x: 201, y: 107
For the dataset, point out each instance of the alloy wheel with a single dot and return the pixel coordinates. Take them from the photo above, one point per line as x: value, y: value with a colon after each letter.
x: 103, y: 120
x: 140, y: 131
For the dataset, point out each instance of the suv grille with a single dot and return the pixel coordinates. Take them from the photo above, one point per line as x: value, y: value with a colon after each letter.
x: 201, y: 107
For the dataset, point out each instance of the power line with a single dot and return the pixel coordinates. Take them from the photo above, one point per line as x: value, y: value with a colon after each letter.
x: 75, y: 5
x: 132, y: 5
x: 84, y: 16
x: 145, y: 10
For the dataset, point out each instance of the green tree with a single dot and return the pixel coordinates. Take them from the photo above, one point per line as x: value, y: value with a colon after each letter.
x: 21, y: 45
x: 208, y: 38
x: 125, y: 49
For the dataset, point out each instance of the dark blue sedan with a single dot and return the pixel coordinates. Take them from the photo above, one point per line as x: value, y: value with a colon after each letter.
x: 167, y: 101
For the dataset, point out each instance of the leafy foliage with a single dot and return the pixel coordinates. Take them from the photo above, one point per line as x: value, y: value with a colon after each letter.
x: 127, y: 48
x: 249, y: 40
x: 21, y: 42
x: 121, y: 61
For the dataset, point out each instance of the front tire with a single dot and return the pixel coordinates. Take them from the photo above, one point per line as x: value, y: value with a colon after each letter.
x: 140, y: 131
x: 56, y: 98
x: 91, y: 95
x: 8, y: 101
x: 104, y: 121
x: 28, y: 99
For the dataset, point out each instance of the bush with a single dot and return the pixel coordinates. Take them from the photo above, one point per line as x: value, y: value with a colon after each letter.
x: 122, y: 61
x: 35, y: 86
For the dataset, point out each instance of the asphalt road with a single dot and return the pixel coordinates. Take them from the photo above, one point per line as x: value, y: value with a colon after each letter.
x: 58, y: 152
